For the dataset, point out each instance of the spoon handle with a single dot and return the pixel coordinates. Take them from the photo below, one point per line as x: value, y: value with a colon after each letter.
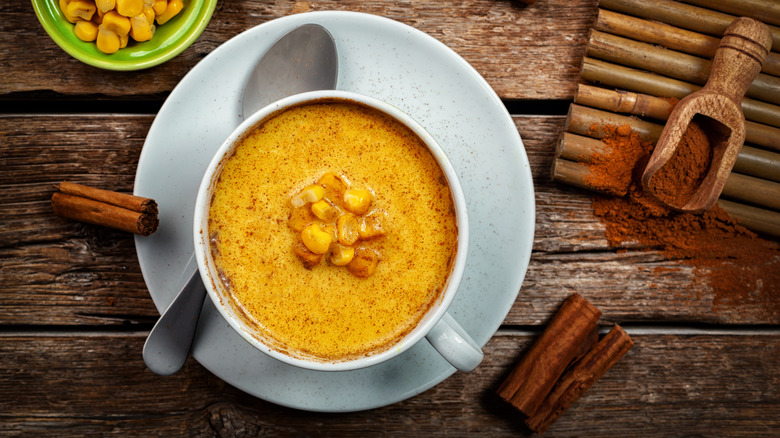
x: 168, y: 345
x: 739, y: 58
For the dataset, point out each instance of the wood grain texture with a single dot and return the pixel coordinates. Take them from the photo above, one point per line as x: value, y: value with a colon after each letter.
x: 75, y: 308
x: 58, y: 272
x: 519, y: 61
x: 97, y: 385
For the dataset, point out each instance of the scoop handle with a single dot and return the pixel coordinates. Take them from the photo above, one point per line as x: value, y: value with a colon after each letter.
x: 739, y: 58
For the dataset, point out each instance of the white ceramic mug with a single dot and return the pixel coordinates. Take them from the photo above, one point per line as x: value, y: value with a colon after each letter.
x: 438, y: 326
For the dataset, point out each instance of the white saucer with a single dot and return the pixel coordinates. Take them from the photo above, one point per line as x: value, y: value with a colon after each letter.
x: 421, y: 76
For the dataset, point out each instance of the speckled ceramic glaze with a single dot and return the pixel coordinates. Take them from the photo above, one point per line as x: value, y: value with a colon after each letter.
x: 419, y: 75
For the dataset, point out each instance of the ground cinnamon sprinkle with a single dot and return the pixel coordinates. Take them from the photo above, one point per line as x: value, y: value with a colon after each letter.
x: 678, y: 179
x: 613, y: 172
x: 740, y: 267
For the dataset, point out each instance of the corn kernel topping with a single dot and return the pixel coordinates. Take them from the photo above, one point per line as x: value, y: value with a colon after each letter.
x: 325, y: 228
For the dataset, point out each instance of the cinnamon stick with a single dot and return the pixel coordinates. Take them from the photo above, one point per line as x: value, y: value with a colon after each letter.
x: 570, y: 332
x: 120, y: 211
x: 581, y: 377
x: 625, y: 78
x: 124, y: 200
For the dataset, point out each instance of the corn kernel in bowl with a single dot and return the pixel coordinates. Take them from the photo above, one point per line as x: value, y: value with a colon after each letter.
x: 168, y: 40
x: 116, y: 19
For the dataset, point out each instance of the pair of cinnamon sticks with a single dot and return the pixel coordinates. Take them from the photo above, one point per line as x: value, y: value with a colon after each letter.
x: 564, y: 363
x: 120, y: 211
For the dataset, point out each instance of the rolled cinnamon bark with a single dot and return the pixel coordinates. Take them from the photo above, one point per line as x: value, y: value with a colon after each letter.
x: 587, y: 122
x: 659, y: 108
x: 670, y: 63
x: 671, y: 37
x: 565, y: 337
x: 104, y: 214
x: 581, y: 377
x: 625, y: 78
x: 681, y: 15
x: 124, y: 200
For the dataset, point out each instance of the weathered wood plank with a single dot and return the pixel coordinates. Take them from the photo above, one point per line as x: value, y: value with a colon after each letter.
x: 58, y: 272
x: 524, y: 52
x: 705, y: 385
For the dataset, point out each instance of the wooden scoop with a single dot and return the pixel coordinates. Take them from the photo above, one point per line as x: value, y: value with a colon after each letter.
x: 717, y: 108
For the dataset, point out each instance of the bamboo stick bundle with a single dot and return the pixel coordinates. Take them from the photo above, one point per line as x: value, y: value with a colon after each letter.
x: 659, y: 108
x: 624, y: 78
x: 622, y: 53
x: 758, y: 219
x: 753, y: 162
x: 670, y: 63
x: 671, y: 37
x: 589, y: 122
x: 681, y: 15
x: 764, y: 10
x: 744, y: 188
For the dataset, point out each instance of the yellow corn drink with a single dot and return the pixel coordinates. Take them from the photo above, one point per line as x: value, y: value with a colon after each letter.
x: 333, y: 230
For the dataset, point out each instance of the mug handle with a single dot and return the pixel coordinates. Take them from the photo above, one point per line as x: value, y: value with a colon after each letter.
x: 454, y: 344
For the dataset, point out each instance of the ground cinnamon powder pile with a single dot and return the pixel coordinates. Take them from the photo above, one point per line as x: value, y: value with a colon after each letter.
x: 740, y: 267
x: 625, y: 147
x: 676, y: 182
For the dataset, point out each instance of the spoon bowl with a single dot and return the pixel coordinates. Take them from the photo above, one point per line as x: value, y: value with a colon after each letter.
x: 304, y: 59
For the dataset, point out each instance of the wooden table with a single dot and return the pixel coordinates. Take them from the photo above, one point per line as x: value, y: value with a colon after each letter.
x: 74, y: 309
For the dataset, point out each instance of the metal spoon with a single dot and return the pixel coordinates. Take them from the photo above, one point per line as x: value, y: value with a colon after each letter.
x: 304, y: 59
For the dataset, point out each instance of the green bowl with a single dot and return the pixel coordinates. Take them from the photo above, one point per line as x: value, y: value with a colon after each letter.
x: 169, y: 39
